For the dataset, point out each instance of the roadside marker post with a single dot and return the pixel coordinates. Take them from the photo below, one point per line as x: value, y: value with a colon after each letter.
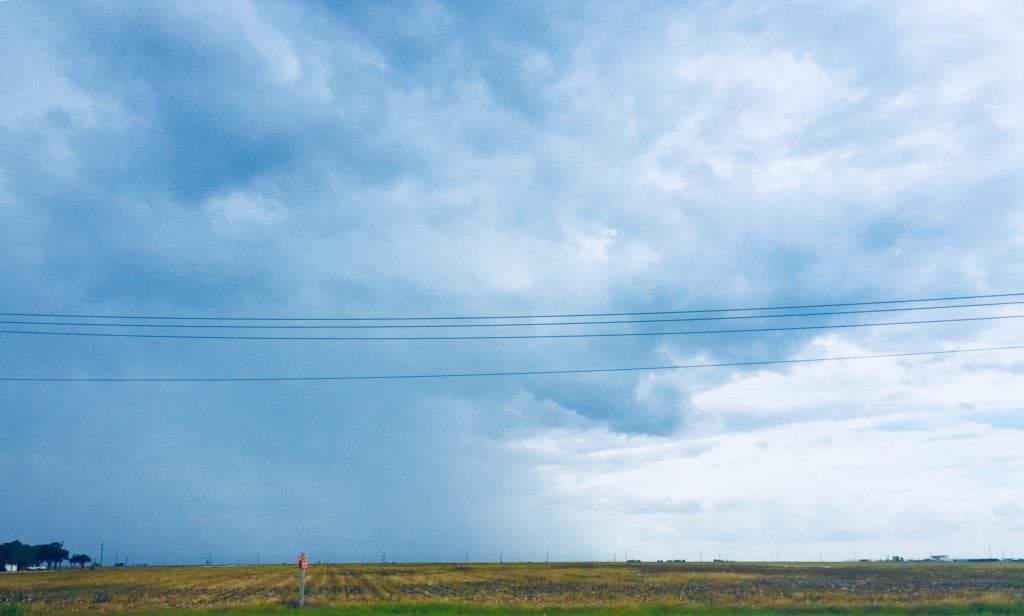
x: 302, y: 578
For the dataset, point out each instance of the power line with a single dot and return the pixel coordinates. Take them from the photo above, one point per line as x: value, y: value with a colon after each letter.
x: 512, y: 373
x: 509, y: 317
x: 509, y: 336
x: 518, y: 324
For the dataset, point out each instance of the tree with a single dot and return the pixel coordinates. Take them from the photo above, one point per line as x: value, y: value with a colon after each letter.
x: 80, y: 559
x: 17, y: 553
x: 53, y: 554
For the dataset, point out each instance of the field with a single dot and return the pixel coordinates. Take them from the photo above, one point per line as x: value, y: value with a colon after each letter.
x: 492, y: 589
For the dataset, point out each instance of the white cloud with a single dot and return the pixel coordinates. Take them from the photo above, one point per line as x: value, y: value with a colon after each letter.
x: 36, y: 87
x: 240, y: 212
x: 730, y: 113
x: 778, y: 93
x: 681, y: 159
x: 961, y: 58
x: 46, y: 107
x: 913, y: 454
x: 940, y: 385
x: 594, y: 247
x: 823, y: 485
x: 752, y: 118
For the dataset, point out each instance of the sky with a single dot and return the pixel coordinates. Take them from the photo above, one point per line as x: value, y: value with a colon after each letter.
x: 431, y: 159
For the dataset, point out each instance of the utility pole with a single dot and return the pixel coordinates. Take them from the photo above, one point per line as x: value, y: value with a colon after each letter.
x: 101, y: 554
x: 302, y: 578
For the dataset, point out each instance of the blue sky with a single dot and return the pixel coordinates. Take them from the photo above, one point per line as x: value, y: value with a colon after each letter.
x: 436, y: 159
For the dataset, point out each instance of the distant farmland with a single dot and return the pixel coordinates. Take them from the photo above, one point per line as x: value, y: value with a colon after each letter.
x: 635, y: 588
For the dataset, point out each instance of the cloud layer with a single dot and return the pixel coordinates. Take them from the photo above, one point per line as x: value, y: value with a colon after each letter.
x: 435, y: 159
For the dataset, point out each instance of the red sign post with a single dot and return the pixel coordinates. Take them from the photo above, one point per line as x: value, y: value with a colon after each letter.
x: 303, y: 563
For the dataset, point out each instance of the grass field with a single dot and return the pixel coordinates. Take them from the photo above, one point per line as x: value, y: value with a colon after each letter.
x: 639, y: 589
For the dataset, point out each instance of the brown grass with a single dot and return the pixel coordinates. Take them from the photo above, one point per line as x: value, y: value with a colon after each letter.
x: 720, y: 585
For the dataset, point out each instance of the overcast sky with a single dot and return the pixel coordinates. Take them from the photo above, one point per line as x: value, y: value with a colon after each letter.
x: 396, y: 159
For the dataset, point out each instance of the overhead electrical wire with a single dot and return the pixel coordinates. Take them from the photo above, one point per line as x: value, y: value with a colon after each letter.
x: 509, y: 317
x: 198, y: 325
x: 163, y: 325
x: 511, y: 373
x: 510, y: 336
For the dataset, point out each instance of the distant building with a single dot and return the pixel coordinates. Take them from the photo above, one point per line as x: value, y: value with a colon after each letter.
x: 941, y: 558
x: 10, y: 568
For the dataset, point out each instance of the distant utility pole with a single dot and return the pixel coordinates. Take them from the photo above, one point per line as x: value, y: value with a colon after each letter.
x: 101, y: 554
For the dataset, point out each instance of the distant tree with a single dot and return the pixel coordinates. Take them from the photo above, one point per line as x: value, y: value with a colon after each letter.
x: 53, y: 554
x: 80, y: 559
x: 17, y: 553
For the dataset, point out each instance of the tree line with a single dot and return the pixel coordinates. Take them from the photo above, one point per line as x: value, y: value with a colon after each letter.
x: 53, y: 555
